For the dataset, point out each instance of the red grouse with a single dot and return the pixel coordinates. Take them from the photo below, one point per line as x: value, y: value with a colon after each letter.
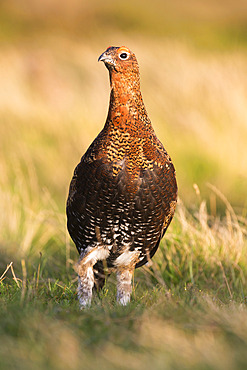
x: 123, y: 194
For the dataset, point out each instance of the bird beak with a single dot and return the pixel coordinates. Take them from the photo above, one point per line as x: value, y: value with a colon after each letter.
x: 107, y: 59
x: 102, y: 57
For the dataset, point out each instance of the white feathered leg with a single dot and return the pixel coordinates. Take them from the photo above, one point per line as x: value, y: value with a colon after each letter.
x: 86, y: 274
x: 85, y: 284
x: 124, y: 287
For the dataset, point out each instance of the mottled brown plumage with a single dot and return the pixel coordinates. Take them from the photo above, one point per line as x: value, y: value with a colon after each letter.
x: 123, y: 193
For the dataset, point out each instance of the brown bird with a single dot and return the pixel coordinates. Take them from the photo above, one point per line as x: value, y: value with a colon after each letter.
x: 123, y: 193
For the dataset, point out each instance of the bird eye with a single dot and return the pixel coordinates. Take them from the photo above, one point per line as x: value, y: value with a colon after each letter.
x: 124, y: 56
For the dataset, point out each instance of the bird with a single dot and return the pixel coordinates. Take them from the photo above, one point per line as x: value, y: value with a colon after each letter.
x: 123, y: 193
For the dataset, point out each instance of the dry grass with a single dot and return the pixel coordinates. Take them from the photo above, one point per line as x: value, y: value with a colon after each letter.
x: 196, y: 102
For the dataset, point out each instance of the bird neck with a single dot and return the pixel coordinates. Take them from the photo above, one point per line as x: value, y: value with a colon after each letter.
x: 125, y: 87
x: 126, y: 103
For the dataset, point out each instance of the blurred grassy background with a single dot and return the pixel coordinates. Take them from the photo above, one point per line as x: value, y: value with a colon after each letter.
x: 54, y: 95
x: 53, y: 101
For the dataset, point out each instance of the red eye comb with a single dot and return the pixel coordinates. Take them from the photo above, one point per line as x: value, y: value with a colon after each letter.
x: 123, y: 49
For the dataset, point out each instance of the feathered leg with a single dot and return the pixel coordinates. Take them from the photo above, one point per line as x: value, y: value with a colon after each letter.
x: 124, y: 287
x: 86, y: 274
x: 85, y: 283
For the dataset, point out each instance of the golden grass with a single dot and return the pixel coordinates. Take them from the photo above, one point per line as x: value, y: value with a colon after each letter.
x: 53, y: 102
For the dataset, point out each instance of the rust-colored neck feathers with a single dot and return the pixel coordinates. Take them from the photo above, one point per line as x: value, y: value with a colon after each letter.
x: 125, y: 86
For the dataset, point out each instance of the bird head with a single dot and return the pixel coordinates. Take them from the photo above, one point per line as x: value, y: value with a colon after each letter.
x: 120, y: 60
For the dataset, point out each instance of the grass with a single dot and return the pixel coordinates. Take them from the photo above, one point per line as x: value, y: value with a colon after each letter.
x: 191, y: 301
x: 46, y: 330
x: 48, y: 115
x: 188, y: 309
